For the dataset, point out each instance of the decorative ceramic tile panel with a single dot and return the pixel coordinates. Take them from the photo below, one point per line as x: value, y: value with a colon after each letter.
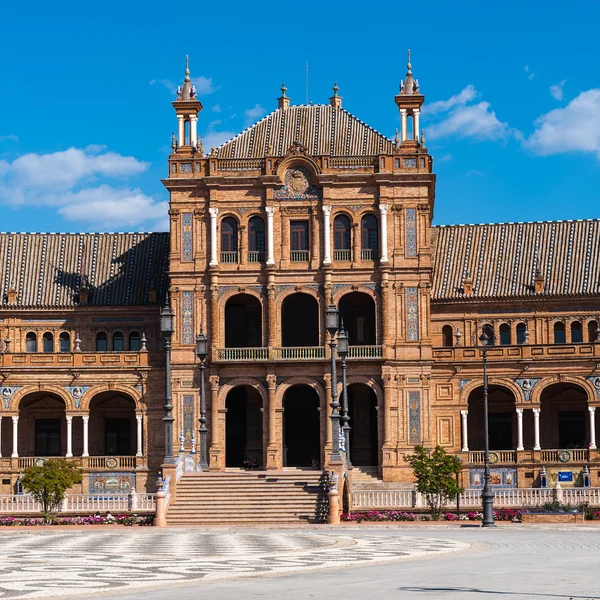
x: 187, y: 231
x: 111, y: 483
x: 411, y: 231
x: 6, y: 393
x: 412, y: 314
x: 527, y: 386
x: 503, y: 477
x: 188, y: 417
x: 410, y: 163
x: 186, y: 167
x: 298, y: 186
x: 187, y: 317
x: 414, y: 417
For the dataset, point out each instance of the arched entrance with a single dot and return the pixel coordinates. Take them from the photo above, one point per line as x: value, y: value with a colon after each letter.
x: 243, y: 427
x: 112, y: 425
x: 564, y: 422
x: 501, y: 418
x: 300, y: 320
x: 42, y: 425
x: 301, y: 427
x: 362, y: 410
x: 357, y: 309
x: 243, y: 322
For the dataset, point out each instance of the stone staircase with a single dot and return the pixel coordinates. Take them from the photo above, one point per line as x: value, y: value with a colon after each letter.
x: 243, y: 497
x: 367, y: 478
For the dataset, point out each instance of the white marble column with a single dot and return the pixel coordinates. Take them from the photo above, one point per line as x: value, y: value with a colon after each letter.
x: 180, y: 131
x: 592, y: 410
x: 69, y: 453
x: 383, y: 208
x: 403, y: 124
x: 15, y: 452
x: 139, y: 435
x: 213, y: 236
x: 327, y: 235
x: 520, y: 429
x: 193, y: 129
x: 465, y: 434
x: 86, y: 422
x: 536, y: 429
x: 270, y: 211
x: 416, y: 114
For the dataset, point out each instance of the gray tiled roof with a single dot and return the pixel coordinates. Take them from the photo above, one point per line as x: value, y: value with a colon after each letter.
x: 46, y: 269
x: 501, y: 259
x: 322, y: 129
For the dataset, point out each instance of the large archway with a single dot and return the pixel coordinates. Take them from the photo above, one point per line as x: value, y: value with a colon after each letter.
x: 243, y: 427
x: 502, y: 419
x: 301, y: 427
x: 112, y: 425
x: 243, y: 322
x: 357, y: 310
x: 564, y: 421
x: 362, y: 410
x: 42, y: 425
x: 300, y: 320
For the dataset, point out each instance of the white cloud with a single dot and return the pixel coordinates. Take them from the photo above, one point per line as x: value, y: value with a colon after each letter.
x: 216, y: 138
x: 216, y: 108
x: 95, y: 148
x: 475, y: 173
x: 530, y: 75
x: 466, y: 95
x: 557, y: 91
x: 170, y: 85
x: 253, y: 114
x: 204, y: 85
x: 573, y: 128
x: 9, y: 138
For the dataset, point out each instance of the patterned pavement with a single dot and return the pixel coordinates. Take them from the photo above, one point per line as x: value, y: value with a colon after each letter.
x: 83, y: 563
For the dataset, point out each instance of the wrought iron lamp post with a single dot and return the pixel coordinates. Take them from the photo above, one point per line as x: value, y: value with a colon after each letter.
x: 332, y: 323
x: 166, y: 328
x: 343, y: 352
x: 487, y: 496
x: 201, y: 352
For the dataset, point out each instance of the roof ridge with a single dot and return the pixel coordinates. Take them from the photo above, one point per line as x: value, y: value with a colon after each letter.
x: 447, y: 226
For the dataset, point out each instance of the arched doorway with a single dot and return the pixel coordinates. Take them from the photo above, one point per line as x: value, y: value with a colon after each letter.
x: 112, y: 427
x: 300, y: 321
x: 357, y: 310
x: 502, y: 419
x: 564, y: 422
x: 42, y: 425
x: 301, y: 427
x: 362, y: 410
x: 243, y: 427
x: 243, y: 322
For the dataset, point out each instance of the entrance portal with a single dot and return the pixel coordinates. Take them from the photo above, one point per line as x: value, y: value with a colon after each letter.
x: 301, y: 430
x: 362, y: 410
x: 243, y: 428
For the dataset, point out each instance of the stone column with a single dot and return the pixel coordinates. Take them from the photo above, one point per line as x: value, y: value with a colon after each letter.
x: 520, y: 429
x: 215, y: 449
x: 271, y: 313
x: 194, y: 129
x: 465, y: 431
x: 15, y: 450
x: 139, y: 419
x: 416, y: 113
x: 592, y: 410
x: 387, y: 410
x: 272, y: 448
x: 270, y: 259
x: 536, y: 429
x: 86, y: 422
x: 213, y: 236
x: 383, y: 208
x: 327, y: 235
x: 180, y: 131
x: 69, y: 453
x: 403, y: 135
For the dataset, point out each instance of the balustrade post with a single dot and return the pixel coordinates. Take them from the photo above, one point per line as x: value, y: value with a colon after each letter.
x: 520, y: 429
x: 86, y: 422
x: 15, y: 450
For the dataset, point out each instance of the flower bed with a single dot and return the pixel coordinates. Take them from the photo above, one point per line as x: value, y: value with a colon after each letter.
x: 376, y: 516
x: 91, y: 520
x: 380, y: 515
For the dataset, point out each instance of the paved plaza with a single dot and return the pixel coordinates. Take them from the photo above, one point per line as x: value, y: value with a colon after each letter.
x: 403, y: 562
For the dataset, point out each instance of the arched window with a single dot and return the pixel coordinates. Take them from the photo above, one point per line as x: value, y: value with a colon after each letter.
x: 559, y: 333
x: 576, y: 332
x: 118, y: 342
x: 101, y: 342
x: 447, y: 339
x: 229, y: 240
x: 521, y: 333
x: 341, y: 238
x: 31, y: 342
x: 592, y: 331
x: 370, y: 238
x: 489, y: 331
x: 256, y: 240
x: 504, y: 334
x: 48, y: 342
x: 65, y: 342
x: 134, y: 341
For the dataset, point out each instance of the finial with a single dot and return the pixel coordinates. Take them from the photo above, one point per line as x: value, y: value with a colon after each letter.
x: 187, y: 68
x: 396, y: 138
x: 335, y: 89
x: 422, y: 137
x: 173, y: 142
x: 409, y: 66
x: 283, y: 90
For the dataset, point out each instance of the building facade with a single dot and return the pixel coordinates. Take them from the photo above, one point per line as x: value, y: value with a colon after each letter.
x: 306, y: 208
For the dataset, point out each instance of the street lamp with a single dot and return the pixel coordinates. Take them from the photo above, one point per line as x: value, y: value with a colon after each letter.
x: 166, y: 328
x: 201, y: 352
x: 487, y: 496
x: 332, y: 323
x: 343, y: 352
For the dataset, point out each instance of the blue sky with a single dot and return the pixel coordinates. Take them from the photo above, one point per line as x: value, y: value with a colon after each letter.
x: 512, y: 94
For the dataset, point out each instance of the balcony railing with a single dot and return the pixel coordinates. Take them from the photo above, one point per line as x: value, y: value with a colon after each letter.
x: 299, y: 255
x: 292, y: 353
x: 256, y: 256
x: 499, y: 456
x: 242, y: 354
x: 341, y: 255
x: 517, y: 352
x: 580, y: 455
x: 97, y: 463
x: 229, y: 257
x: 564, y: 456
x: 299, y: 353
x: 46, y: 360
x: 365, y: 352
x: 369, y: 254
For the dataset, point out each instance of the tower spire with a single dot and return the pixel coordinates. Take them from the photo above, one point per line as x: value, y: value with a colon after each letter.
x: 187, y: 106
x: 283, y: 102
x: 335, y: 100
x: 409, y: 101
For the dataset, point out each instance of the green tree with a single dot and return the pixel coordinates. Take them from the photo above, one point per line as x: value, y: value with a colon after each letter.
x: 436, y: 477
x: 49, y: 482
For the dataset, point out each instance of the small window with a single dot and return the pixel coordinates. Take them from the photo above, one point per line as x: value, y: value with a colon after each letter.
x: 256, y: 234
x: 118, y: 342
x: 576, y: 332
x: 370, y: 237
x: 299, y: 241
x: 559, y: 333
x: 521, y: 333
x: 134, y: 341
x: 65, y: 342
x: 592, y: 331
x: 48, y: 342
x: 447, y: 339
x: 505, y: 334
x: 489, y: 331
x: 31, y: 342
x: 101, y: 342
x: 229, y: 237
x: 341, y: 229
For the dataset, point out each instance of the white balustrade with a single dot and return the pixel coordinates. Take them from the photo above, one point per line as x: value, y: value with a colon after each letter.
x: 242, y: 354
x: 299, y: 353
x: 365, y: 352
x: 78, y: 503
